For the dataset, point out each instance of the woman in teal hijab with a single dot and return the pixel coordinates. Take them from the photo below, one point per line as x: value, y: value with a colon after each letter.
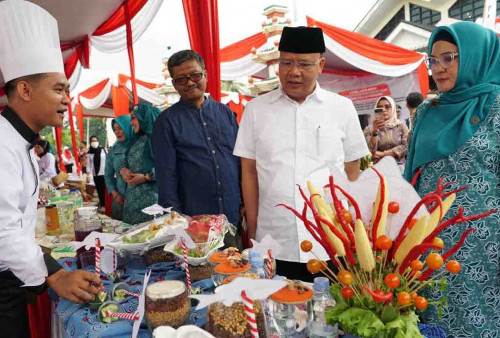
x: 114, y: 162
x: 138, y: 169
x: 457, y: 137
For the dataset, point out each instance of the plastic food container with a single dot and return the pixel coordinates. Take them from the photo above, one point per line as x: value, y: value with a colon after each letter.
x: 227, y: 269
x: 223, y: 256
x: 245, y: 257
x: 230, y: 321
x: 290, y: 310
x: 167, y: 303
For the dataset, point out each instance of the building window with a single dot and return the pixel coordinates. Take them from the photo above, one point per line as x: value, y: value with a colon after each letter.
x: 424, y: 15
x: 469, y: 10
x: 391, y: 25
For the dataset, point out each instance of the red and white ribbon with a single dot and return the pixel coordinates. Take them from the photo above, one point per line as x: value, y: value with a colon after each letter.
x: 269, y: 264
x: 122, y: 315
x: 131, y: 293
x: 98, y: 257
x: 186, y: 265
x: 252, y: 323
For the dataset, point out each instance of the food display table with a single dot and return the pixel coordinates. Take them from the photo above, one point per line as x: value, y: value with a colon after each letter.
x: 80, y: 321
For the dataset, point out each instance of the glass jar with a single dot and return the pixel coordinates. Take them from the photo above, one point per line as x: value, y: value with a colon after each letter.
x: 65, y: 214
x: 52, y: 220
x: 86, y: 221
x: 167, y: 303
x: 290, y: 311
x: 231, y: 321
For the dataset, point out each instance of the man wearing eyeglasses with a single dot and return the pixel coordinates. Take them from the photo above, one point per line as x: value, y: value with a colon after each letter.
x: 193, y: 141
x: 294, y: 134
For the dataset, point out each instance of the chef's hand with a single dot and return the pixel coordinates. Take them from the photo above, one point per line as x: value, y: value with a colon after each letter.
x: 77, y: 286
x: 126, y: 174
x: 136, y: 179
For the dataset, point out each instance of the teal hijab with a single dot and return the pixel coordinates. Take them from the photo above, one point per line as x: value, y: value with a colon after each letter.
x: 124, y: 123
x: 147, y: 115
x: 444, y: 128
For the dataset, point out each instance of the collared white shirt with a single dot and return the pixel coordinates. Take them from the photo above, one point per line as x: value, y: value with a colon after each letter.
x: 18, y: 202
x: 294, y: 143
x: 47, y: 166
x: 90, y: 163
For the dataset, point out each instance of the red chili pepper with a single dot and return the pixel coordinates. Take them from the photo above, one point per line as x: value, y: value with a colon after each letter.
x: 457, y: 246
x: 352, y: 200
x: 317, y: 232
x: 340, y: 214
x: 379, y: 297
x: 381, y: 202
x: 342, y: 238
x: 406, y: 224
x: 458, y: 218
x: 415, y: 177
x: 416, y: 251
x: 428, y: 272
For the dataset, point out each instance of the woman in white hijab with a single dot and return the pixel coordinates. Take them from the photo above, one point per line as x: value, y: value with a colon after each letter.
x: 387, y: 136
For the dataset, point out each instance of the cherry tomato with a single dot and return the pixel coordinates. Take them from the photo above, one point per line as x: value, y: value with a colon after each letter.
x: 306, y: 246
x: 347, y: 216
x: 438, y: 242
x: 434, y: 261
x: 420, y: 303
x: 379, y: 259
x: 404, y: 298
x: 347, y: 292
x: 393, y: 207
x: 453, y: 266
x: 324, y: 265
x: 416, y: 265
x: 412, y: 223
x: 392, y: 280
x: 384, y: 242
x: 314, y: 266
x: 345, y: 277
x: 413, y: 295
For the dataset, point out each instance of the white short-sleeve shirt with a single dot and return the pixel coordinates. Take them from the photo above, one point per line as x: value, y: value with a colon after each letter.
x: 294, y: 143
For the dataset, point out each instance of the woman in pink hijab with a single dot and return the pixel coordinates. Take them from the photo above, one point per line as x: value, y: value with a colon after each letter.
x: 387, y: 136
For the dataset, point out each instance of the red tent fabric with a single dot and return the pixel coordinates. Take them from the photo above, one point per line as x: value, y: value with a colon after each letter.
x: 203, y: 29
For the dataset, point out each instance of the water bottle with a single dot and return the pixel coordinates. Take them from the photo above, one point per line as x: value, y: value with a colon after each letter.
x: 76, y: 197
x: 321, y: 301
x: 257, y: 264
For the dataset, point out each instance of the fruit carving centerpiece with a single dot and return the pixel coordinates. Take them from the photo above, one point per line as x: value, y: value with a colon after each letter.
x: 383, y: 268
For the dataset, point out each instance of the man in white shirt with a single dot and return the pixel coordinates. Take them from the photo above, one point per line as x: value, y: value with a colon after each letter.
x: 36, y: 87
x: 294, y: 134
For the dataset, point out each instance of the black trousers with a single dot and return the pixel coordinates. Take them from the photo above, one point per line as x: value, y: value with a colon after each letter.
x: 69, y: 168
x: 14, y: 321
x: 100, y: 186
x: 298, y: 271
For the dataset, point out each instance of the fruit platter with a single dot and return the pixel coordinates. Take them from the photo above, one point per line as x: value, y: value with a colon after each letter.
x: 148, y: 235
x: 384, y: 262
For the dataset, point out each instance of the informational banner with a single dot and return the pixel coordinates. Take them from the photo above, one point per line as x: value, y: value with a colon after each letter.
x: 365, y: 90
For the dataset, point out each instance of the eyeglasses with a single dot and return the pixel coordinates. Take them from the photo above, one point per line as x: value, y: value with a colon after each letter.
x: 444, y: 60
x: 301, y: 65
x: 195, y: 77
x: 385, y: 107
